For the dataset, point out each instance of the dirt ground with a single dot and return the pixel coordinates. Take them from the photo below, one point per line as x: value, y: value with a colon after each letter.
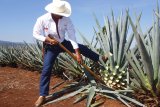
x: 19, y: 88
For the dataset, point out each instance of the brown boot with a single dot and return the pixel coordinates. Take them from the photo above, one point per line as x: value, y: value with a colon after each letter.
x: 40, y: 101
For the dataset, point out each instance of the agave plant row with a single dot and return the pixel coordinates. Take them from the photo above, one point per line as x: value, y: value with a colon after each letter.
x: 25, y: 55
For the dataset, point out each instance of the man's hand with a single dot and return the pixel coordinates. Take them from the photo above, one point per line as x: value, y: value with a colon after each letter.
x: 79, y: 57
x: 51, y: 40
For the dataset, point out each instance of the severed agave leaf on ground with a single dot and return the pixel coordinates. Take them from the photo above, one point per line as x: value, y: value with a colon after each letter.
x: 98, y: 103
x: 57, y: 85
x: 80, y: 98
x: 69, y: 95
x: 90, y: 95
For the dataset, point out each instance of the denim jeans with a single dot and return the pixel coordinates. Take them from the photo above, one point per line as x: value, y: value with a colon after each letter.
x: 51, y: 53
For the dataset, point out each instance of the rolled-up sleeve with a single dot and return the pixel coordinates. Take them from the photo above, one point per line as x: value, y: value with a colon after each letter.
x: 71, y: 34
x: 38, y: 31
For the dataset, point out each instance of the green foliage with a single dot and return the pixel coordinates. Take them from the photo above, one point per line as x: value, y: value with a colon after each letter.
x: 145, y: 65
x: 7, y: 55
x: 25, y: 55
x: 112, y: 37
x: 73, y: 70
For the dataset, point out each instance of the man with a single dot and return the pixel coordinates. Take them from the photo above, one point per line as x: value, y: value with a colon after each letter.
x: 50, y: 29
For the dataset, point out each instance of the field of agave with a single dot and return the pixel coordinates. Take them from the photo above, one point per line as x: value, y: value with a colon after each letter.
x: 131, y: 75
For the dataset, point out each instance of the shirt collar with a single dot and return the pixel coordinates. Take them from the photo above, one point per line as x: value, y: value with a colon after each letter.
x: 49, y: 17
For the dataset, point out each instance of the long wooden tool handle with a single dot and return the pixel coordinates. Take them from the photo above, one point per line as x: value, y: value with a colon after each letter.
x: 85, y: 66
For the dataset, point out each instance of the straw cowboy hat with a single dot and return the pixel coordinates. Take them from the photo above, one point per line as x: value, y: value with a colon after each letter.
x: 59, y: 7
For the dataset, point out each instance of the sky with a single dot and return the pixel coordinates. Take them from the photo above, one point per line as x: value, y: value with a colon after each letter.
x: 17, y: 17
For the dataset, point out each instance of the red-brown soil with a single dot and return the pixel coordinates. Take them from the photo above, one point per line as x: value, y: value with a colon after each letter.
x: 19, y: 88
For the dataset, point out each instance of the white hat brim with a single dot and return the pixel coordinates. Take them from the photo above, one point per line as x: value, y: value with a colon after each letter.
x: 66, y: 13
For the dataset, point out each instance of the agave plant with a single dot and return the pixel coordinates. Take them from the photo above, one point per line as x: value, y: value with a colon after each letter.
x: 112, y: 37
x: 7, y: 55
x: 31, y: 56
x: 72, y: 70
x: 146, y: 67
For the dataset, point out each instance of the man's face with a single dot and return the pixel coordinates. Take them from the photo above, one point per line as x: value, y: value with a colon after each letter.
x: 57, y: 16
